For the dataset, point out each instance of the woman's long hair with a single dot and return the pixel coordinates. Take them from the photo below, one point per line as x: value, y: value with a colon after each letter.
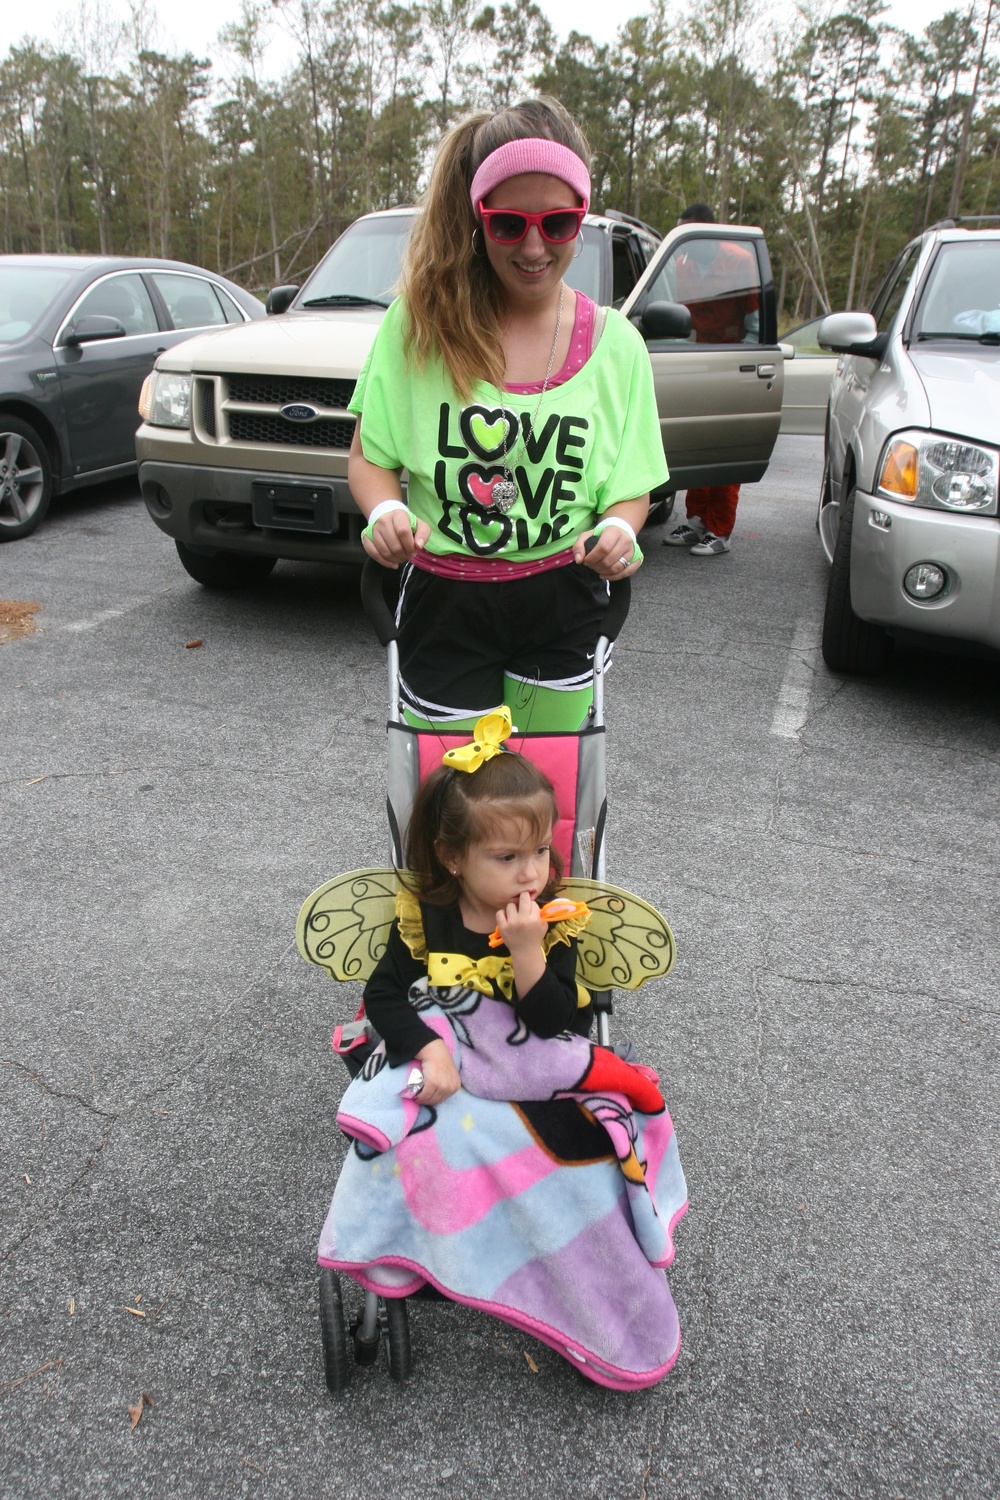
x: 454, y: 302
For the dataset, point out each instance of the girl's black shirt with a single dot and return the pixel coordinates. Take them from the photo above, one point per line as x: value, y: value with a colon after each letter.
x: 550, y: 1006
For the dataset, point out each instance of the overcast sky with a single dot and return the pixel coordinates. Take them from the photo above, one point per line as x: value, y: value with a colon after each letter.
x: 193, y: 25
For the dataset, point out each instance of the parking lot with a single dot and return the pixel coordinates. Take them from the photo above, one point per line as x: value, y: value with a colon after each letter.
x: 181, y: 768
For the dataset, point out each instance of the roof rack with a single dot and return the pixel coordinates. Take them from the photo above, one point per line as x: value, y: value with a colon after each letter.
x: 623, y: 218
x: 958, y: 220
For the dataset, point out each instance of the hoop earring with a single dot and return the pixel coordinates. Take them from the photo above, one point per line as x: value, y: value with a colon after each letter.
x: 475, y: 250
x: 579, y: 246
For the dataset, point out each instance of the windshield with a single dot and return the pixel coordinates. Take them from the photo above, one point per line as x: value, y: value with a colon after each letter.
x: 26, y: 294
x: 961, y: 299
x: 363, y: 265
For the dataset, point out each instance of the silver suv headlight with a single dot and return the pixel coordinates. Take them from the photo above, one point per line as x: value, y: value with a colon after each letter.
x: 921, y: 468
x: 165, y: 399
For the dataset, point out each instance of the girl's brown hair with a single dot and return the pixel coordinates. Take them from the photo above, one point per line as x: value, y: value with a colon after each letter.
x: 454, y: 809
x: 454, y: 301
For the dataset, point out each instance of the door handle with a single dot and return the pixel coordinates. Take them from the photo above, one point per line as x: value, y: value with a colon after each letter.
x: 765, y: 372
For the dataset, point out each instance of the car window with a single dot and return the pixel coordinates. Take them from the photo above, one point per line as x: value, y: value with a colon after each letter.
x: 191, y: 301
x: 647, y: 248
x: 234, y: 313
x: 623, y: 271
x: 717, y: 280
x: 890, y: 294
x: 122, y: 297
x: 803, y: 340
x: 584, y: 272
x: 26, y: 294
x: 961, y: 298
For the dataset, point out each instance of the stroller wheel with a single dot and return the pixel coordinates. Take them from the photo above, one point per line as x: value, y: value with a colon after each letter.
x: 397, y: 1344
x: 333, y: 1330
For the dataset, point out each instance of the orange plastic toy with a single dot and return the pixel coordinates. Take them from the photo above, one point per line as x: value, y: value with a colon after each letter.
x: 558, y: 910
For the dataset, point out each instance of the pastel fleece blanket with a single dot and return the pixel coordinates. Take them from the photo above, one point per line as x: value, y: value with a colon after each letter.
x: 554, y: 1212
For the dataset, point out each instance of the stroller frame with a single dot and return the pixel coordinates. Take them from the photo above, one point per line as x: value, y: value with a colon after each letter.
x: 379, y: 589
x: 588, y: 857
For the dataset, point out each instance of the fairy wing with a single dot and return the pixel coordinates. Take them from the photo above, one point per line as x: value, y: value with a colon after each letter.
x: 344, y: 925
x: 626, y: 941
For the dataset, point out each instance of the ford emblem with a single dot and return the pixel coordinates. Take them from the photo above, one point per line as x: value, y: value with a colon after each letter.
x: 299, y: 412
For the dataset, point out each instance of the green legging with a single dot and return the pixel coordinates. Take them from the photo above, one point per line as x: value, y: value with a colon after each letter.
x: 534, y: 709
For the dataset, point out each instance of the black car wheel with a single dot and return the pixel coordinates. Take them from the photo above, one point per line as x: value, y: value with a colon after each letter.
x: 850, y: 644
x: 827, y: 515
x: 25, y: 479
x: 225, y: 570
x: 660, y: 511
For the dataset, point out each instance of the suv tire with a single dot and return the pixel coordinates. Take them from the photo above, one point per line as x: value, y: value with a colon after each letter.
x: 661, y: 508
x: 25, y: 479
x: 850, y: 644
x: 827, y: 515
x: 225, y: 570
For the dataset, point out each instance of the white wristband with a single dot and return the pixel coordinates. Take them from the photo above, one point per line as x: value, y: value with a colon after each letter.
x: 612, y: 521
x: 383, y: 508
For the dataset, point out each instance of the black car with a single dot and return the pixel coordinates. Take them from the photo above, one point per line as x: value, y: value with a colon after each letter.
x: 78, y: 335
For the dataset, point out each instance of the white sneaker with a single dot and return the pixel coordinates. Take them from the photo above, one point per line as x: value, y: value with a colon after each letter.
x: 685, y: 536
x: 710, y: 545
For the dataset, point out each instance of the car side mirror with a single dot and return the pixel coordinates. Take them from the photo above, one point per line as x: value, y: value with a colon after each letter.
x: 280, y: 299
x: 91, y: 328
x: 665, y: 320
x: 787, y: 351
x: 852, y: 333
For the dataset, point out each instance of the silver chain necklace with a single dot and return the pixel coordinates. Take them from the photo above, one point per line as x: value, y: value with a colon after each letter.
x: 504, y: 491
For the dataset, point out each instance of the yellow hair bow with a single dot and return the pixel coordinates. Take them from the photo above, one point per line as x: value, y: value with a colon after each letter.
x: 490, y: 732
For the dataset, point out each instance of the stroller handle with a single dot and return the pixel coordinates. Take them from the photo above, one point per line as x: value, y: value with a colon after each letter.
x: 380, y: 590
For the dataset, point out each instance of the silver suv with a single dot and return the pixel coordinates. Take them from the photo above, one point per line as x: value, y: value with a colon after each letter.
x: 908, y: 505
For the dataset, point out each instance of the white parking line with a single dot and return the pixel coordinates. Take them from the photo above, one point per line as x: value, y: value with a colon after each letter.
x: 792, y: 709
x: 76, y: 627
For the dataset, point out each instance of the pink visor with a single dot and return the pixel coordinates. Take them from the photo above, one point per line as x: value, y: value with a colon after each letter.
x: 530, y: 155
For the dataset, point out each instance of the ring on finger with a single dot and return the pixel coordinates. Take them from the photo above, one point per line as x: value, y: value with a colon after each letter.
x: 623, y: 562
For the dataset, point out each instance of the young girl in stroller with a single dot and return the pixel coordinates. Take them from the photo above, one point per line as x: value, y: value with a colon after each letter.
x: 497, y: 1153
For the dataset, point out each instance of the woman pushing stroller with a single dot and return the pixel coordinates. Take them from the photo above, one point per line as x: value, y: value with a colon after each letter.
x: 526, y: 418
x: 554, y: 1212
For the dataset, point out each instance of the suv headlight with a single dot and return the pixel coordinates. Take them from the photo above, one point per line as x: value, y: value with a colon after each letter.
x: 921, y: 468
x: 165, y: 399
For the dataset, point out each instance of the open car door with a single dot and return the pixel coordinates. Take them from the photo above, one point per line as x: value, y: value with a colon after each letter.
x: 719, y: 372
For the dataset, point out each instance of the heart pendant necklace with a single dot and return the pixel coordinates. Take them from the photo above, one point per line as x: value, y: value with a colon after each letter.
x: 504, y: 492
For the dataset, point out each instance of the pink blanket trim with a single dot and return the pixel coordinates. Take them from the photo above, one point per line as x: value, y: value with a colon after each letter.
x: 598, y: 1371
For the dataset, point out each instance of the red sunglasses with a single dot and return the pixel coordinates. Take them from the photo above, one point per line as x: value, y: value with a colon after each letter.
x: 508, y: 226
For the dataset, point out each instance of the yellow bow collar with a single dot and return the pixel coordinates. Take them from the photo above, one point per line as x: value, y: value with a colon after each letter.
x: 444, y: 969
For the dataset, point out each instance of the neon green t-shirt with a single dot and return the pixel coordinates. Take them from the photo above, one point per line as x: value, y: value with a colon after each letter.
x: 596, y: 441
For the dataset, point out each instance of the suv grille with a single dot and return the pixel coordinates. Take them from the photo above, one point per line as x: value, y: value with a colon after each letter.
x: 279, y: 390
x: 206, y: 390
x: 248, y: 427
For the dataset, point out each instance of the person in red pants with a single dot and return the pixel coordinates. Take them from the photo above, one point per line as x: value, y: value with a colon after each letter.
x: 716, y: 279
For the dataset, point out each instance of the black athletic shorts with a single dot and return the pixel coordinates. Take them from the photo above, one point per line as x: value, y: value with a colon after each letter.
x: 459, y: 640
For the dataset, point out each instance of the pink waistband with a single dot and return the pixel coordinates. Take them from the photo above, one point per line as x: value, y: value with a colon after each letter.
x: 487, y: 569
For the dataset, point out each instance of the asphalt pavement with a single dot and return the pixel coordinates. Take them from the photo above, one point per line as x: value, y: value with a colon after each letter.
x: 826, y: 851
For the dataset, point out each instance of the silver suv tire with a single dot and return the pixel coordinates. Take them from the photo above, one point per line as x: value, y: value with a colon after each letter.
x: 850, y: 644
